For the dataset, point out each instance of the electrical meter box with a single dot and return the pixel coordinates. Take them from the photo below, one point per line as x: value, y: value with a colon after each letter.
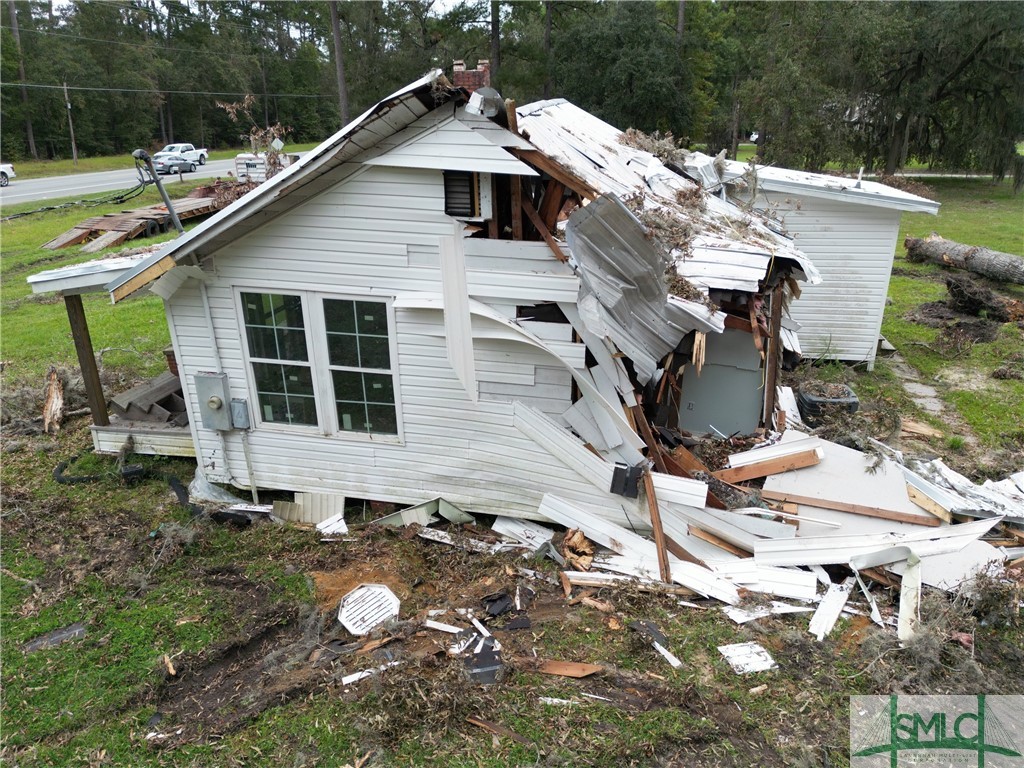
x: 214, y: 400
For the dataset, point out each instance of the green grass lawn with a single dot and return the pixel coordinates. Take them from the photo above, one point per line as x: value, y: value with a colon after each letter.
x: 976, y: 211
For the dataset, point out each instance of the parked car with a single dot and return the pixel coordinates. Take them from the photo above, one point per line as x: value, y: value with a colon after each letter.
x: 188, y: 151
x: 6, y: 174
x: 169, y: 163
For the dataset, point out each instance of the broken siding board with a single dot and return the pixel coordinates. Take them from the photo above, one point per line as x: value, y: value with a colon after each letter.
x: 678, y: 490
x: 175, y: 441
x: 785, y: 448
x: 560, y: 443
x: 825, y: 550
x: 825, y: 617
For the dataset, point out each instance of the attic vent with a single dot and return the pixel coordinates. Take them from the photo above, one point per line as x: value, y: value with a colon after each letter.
x: 461, y: 194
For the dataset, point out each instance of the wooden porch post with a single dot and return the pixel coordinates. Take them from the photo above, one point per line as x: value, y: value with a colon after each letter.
x: 87, y: 360
x: 774, y: 357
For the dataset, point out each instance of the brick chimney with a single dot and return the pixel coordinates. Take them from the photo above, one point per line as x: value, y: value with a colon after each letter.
x: 471, y: 79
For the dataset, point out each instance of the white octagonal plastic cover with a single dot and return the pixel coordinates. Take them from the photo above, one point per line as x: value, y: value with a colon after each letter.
x: 366, y: 606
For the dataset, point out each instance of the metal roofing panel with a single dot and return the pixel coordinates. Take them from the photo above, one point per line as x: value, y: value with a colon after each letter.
x: 856, y: 191
x: 592, y: 150
x: 83, y: 278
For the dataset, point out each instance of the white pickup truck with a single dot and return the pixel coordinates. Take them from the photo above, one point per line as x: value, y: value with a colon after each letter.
x: 187, y: 151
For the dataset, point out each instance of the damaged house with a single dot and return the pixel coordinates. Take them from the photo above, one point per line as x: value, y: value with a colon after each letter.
x: 438, y: 302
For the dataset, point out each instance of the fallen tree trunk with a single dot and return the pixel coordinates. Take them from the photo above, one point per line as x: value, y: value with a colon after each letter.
x: 1004, y: 267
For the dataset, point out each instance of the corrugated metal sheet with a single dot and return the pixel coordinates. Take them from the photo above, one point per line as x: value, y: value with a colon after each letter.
x: 620, y: 268
x: 591, y: 149
x: 806, y: 184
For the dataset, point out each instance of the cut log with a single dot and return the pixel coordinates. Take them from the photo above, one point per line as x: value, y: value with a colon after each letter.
x: 1005, y: 267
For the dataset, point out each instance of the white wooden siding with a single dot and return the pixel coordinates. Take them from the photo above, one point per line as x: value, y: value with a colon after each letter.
x: 378, y: 234
x: 853, y: 248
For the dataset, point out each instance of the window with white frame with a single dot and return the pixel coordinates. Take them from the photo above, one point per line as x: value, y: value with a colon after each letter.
x: 359, y: 352
x: 309, y: 350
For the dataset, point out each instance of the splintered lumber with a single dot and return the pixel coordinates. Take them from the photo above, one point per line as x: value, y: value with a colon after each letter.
x: 771, y: 466
x: 1005, y: 267
x: 659, y: 533
x: 853, y: 509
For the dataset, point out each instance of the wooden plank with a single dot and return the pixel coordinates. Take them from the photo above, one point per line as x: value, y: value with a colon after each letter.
x: 73, y: 236
x: 648, y: 437
x: 498, y: 730
x: 149, y: 392
x: 516, y: 185
x: 928, y: 505
x: 710, y: 538
x: 687, y: 460
x: 770, y: 467
x: 738, y: 323
x: 87, y: 360
x: 568, y: 668
x: 911, y: 428
x: 774, y: 356
x: 106, y: 240
x: 551, y: 205
x: 557, y: 171
x: 144, y: 278
x: 534, y: 217
x: 853, y: 509
x: 659, y: 532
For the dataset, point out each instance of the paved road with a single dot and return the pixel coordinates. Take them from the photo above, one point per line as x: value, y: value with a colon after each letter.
x: 86, y: 185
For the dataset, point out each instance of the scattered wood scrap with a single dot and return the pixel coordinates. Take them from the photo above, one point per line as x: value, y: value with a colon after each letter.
x: 115, y: 228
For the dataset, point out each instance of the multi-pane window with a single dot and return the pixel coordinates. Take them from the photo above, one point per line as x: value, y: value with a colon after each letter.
x: 359, y: 353
x: 286, y: 335
x: 276, y: 332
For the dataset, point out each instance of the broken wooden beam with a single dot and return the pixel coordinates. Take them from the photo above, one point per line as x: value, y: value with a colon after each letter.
x: 853, y: 509
x: 772, y: 466
x: 659, y: 532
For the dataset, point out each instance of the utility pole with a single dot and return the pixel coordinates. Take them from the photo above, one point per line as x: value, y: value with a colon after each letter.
x: 71, y: 125
x: 142, y: 156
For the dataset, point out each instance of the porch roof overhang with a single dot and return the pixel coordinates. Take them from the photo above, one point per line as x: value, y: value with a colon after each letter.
x: 89, y: 277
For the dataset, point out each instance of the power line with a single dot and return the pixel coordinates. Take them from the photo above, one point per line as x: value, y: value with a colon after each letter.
x: 161, y: 91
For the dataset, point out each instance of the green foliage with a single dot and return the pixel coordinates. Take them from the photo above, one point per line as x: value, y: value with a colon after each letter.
x: 621, y: 62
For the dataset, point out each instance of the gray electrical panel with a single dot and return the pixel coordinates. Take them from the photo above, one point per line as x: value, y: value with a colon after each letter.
x: 214, y: 400
x: 240, y: 413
